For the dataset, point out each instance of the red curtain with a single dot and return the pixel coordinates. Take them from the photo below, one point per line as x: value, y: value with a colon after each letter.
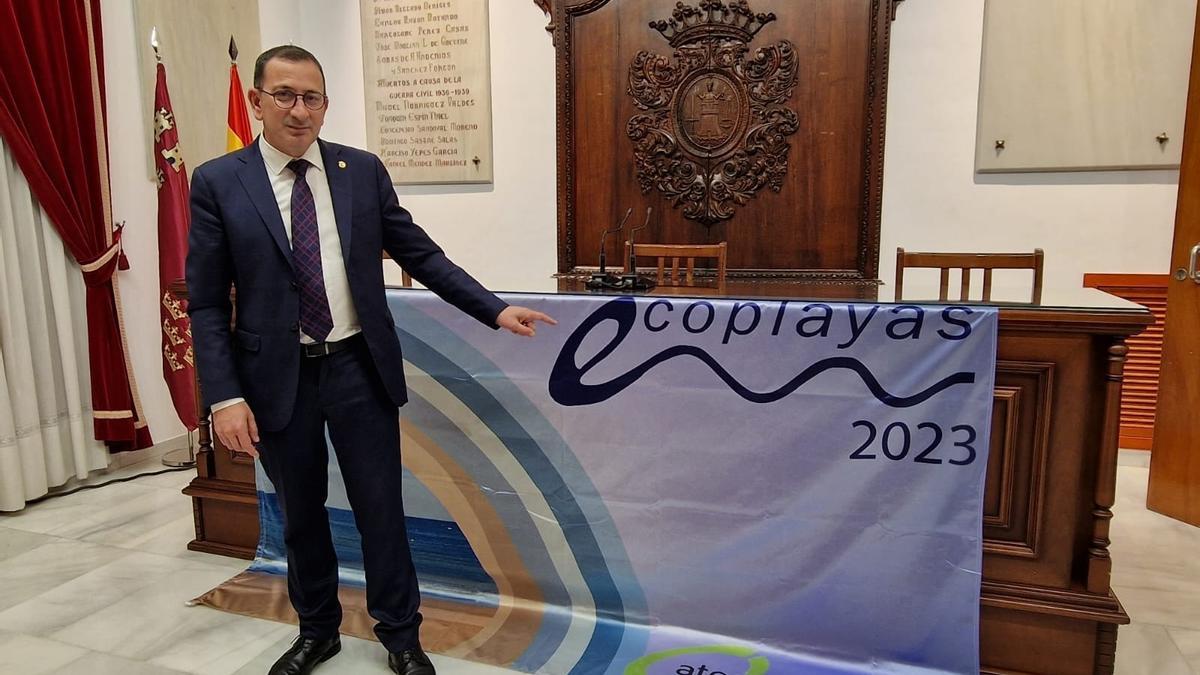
x: 52, y: 116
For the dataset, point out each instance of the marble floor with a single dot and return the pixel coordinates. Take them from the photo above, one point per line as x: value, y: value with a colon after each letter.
x: 97, y: 582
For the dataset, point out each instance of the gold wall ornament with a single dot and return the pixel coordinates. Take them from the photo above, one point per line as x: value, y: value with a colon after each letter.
x: 715, y: 124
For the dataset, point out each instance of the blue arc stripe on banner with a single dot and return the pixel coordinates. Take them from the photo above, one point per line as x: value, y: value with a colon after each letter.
x: 446, y: 434
x: 610, y: 610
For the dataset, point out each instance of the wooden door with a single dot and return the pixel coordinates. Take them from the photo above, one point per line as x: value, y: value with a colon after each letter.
x: 1175, y: 462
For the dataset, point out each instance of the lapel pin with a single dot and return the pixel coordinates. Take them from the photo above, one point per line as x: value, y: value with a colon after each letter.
x: 341, y: 165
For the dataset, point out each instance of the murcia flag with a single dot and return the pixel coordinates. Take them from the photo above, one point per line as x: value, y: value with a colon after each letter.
x: 173, y: 218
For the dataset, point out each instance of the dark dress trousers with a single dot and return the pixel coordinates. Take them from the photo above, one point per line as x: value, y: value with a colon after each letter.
x: 238, y: 239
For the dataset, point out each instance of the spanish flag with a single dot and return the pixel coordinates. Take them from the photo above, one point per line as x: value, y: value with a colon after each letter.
x: 237, y: 133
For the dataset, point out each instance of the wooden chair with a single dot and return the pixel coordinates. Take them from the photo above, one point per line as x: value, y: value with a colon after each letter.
x: 965, y: 262
x: 688, y: 252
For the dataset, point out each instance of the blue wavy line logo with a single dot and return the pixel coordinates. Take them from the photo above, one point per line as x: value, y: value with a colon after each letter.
x: 566, y: 378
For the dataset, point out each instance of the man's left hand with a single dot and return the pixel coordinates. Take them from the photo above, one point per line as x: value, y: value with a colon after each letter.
x: 522, y: 320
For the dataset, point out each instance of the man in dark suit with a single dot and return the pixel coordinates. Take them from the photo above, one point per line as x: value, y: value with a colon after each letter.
x: 297, y: 226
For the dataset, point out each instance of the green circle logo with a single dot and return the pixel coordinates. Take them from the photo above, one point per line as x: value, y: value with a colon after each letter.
x: 756, y: 665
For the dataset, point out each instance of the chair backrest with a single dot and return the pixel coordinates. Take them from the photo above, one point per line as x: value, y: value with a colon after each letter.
x: 965, y: 262
x: 689, y: 253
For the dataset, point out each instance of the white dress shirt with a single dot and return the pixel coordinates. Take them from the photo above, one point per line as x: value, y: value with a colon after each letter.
x: 337, y: 285
x: 333, y: 266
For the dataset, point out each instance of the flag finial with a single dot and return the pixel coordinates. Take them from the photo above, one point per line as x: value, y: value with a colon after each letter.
x: 233, y: 52
x: 154, y: 43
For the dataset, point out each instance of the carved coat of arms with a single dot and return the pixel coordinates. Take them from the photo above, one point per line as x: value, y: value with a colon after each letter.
x: 715, y: 121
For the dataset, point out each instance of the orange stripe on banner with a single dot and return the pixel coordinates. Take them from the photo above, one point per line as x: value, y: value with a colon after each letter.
x: 513, y: 627
x: 265, y: 596
x: 497, y: 637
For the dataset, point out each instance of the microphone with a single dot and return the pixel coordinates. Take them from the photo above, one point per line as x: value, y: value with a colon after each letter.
x: 632, y: 263
x: 604, y: 236
x: 602, y: 279
x: 630, y: 280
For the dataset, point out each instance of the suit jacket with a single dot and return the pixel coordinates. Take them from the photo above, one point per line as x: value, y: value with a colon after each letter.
x: 237, y: 237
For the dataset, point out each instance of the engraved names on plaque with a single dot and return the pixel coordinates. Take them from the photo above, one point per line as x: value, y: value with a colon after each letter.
x: 428, y: 89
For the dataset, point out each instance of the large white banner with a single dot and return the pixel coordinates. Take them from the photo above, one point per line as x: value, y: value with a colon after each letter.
x: 667, y: 486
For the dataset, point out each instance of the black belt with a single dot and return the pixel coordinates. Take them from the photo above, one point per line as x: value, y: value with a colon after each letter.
x: 326, y: 348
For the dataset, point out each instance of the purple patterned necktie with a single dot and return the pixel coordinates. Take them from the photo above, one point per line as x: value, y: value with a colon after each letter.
x: 315, y: 318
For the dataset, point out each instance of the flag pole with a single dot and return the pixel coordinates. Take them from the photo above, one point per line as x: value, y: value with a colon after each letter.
x: 181, y: 458
x: 237, y: 132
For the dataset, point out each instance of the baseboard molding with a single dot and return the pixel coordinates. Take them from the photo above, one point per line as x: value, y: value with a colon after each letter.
x: 123, y: 459
x: 120, y: 465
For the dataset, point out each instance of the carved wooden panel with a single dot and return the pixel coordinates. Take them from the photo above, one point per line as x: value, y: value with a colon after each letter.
x: 1044, y: 540
x: 1016, y: 484
x: 998, y: 494
x: 546, y: 6
x: 766, y: 133
x: 713, y: 123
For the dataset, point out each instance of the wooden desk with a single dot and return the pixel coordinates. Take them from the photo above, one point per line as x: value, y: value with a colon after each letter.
x: 1047, y: 604
x: 735, y: 287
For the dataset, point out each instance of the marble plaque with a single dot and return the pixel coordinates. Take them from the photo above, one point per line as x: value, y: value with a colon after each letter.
x: 1072, y: 85
x: 428, y: 89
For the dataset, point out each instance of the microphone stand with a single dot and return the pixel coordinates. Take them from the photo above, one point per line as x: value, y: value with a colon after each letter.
x: 630, y: 281
x: 603, y: 279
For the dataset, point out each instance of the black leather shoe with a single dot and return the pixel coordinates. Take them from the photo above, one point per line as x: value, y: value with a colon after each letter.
x: 411, y: 662
x: 305, y: 654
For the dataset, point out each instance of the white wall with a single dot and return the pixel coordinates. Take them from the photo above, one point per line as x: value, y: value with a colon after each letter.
x: 932, y: 200
x: 134, y: 200
x: 503, y: 233
x: 506, y: 234
x: 279, y: 23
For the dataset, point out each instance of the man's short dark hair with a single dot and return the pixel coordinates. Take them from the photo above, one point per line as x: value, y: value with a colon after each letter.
x: 290, y: 53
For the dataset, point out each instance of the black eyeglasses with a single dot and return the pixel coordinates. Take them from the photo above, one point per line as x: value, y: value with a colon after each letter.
x: 286, y: 99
